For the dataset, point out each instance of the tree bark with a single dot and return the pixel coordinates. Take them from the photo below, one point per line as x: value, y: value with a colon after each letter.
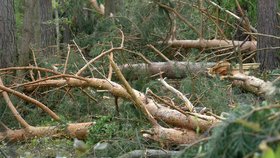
x: 7, y: 34
x: 47, y: 32
x: 74, y: 130
x: 268, y: 24
x: 27, y: 32
x: 171, y: 69
x: 200, y: 44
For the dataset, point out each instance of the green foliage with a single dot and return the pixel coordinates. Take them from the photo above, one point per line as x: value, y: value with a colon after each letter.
x: 249, y: 7
x: 268, y: 152
x: 144, y: 22
x: 108, y: 127
x: 43, y: 147
x: 104, y: 128
x: 123, y: 132
x: 214, y: 93
x: 242, y: 134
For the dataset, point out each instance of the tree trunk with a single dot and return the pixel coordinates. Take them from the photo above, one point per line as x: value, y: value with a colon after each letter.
x: 113, y: 6
x: 267, y: 24
x: 27, y: 32
x: 7, y: 34
x: 47, y: 32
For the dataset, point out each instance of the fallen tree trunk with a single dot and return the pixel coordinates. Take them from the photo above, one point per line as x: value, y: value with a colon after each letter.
x: 171, y: 69
x: 73, y: 130
x: 170, y: 136
x: 215, y: 43
x: 174, y: 70
x: 160, y: 112
x: 151, y: 153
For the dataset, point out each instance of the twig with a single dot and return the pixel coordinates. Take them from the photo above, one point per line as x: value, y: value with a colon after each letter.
x: 158, y: 52
x: 12, y: 108
x: 196, y: 142
x: 259, y: 109
x: 110, y: 68
x: 83, y: 57
x: 216, y: 116
x: 91, y: 97
x: 30, y: 68
x: 180, y: 17
x: 212, y: 18
x: 99, y: 8
x: 261, y: 34
x: 176, y: 108
x: 276, y: 80
x: 67, y: 58
x: 4, y: 126
x: 187, y: 103
x: 244, y: 20
x: 230, y: 13
x: 130, y: 91
x: 35, y: 62
x: 101, y: 55
x: 139, y: 54
x: 29, y: 99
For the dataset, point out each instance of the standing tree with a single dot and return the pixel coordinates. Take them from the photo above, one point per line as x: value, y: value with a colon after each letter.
x: 268, y: 24
x: 47, y: 32
x: 7, y: 34
x: 27, y: 32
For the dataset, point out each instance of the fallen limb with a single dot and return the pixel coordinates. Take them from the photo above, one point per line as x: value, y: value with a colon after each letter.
x: 201, y: 43
x: 11, y: 106
x: 31, y: 100
x: 158, y: 133
x: 254, y: 84
x: 139, y: 104
x: 150, y: 153
x: 74, y: 130
x: 171, y: 69
x: 171, y: 136
x: 250, y: 83
x: 98, y: 7
x: 187, y: 102
x: 172, y: 117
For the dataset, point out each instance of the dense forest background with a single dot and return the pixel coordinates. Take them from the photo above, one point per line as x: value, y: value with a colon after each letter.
x: 139, y: 78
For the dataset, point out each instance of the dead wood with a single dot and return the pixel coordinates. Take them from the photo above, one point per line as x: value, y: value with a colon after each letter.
x: 215, y: 43
x: 171, y: 69
x: 171, y: 117
x: 223, y: 69
x: 99, y: 8
x: 151, y: 153
x: 139, y: 104
x: 242, y: 79
x: 254, y: 84
x: 31, y: 100
x: 74, y: 130
x: 171, y: 136
x: 187, y: 102
x: 158, y: 133
x: 12, y: 108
